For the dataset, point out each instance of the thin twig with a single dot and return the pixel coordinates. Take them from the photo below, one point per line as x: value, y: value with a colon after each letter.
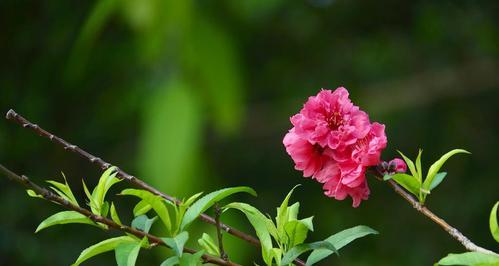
x: 218, y: 211
x: 50, y: 196
x: 15, y: 117
x: 470, y: 246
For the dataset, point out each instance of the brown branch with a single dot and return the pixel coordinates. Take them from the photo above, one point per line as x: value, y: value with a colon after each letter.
x: 470, y: 246
x: 218, y: 211
x: 15, y: 117
x: 50, y: 196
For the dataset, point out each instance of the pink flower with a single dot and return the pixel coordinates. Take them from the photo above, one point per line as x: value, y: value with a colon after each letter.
x: 334, y: 142
x: 331, y: 119
x: 397, y: 165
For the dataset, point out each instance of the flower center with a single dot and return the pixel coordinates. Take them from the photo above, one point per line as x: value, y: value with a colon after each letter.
x: 318, y: 149
x: 334, y: 121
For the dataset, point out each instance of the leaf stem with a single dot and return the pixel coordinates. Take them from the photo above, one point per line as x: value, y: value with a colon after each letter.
x: 50, y: 196
x: 456, y: 234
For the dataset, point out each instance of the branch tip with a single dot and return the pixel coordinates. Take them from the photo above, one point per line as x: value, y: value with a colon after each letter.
x: 11, y: 113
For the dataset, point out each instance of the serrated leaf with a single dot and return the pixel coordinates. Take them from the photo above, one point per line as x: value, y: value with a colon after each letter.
x: 65, y: 217
x: 410, y: 164
x: 494, y: 227
x: 208, y: 244
x: 435, y: 167
x: 142, y: 207
x: 259, y: 223
x: 177, y: 243
x: 114, y: 215
x: 470, y: 259
x: 101, y: 247
x: 437, y: 180
x: 339, y: 240
x: 296, y: 251
x: 155, y: 201
x: 170, y: 261
x: 410, y: 183
x: 208, y: 200
x: 126, y: 253
x: 143, y: 223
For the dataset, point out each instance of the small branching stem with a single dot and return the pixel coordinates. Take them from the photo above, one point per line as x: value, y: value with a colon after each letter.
x: 466, y: 242
x: 50, y: 196
x: 218, y: 212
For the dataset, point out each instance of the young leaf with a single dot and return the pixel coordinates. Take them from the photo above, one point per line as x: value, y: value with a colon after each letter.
x: 114, y: 215
x: 283, y: 215
x: 143, y: 223
x: 437, y: 180
x: 296, y: 251
x: 191, y: 259
x: 101, y: 247
x: 141, y: 208
x: 33, y: 194
x: 191, y: 200
x: 419, y: 170
x: 177, y: 243
x: 208, y: 244
x: 435, y: 167
x: 410, y: 183
x: 276, y: 255
x: 470, y: 259
x: 339, y: 240
x: 494, y: 228
x: 259, y: 223
x: 208, y: 200
x: 65, y: 217
x: 107, y: 179
x: 126, y: 253
x: 170, y: 261
x: 156, y: 203
x: 410, y: 164
x: 63, y: 190
x: 297, y: 230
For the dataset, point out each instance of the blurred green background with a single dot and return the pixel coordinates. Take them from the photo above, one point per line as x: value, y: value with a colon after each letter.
x: 196, y: 95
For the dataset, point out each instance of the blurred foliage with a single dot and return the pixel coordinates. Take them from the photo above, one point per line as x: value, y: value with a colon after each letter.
x: 196, y: 95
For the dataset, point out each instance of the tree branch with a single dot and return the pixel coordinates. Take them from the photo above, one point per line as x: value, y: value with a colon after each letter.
x: 50, y: 196
x: 218, y: 211
x: 470, y: 246
x: 15, y: 117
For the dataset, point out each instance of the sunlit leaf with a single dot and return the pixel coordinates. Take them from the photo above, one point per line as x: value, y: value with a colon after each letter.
x: 435, y: 167
x: 65, y: 217
x: 126, y: 253
x: 410, y: 183
x: 101, y: 247
x: 64, y: 190
x: 419, y: 170
x: 470, y: 259
x: 141, y: 208
x: 296, y: 251
x: 339, y: 240
x: 283, y: 215
x: 114, y: 215
x: 209, y: 245
x: 191, y: 200
x: 209, y: 200
x: 155, y: 201
x: 33, y: 194
x: 494, y: 228
x: 259, y: 223
x: 177, y: 243
x: 297, y: 230
x: 410, y: 164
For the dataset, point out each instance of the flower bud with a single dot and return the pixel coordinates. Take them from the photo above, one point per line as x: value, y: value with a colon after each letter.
x: 397, y: 165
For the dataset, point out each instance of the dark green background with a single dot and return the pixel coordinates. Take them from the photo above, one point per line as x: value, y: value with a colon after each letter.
x: 196, y: 95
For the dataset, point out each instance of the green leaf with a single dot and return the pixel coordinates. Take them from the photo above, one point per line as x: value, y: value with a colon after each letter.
x: 177, y: 243
x: 63, y: 190
x: 114, y: 215
x: 191, y: 200
x: 283, y: 215
x: 339, y: 240
x: 101, y: 247
x: 208, y: 244
x: 410, y: 164
x: 435, y: 167
x: 155, y: 201
x: 208, y: 200
x: 65, y: 217
x: 418, y: 167
x: 33, y: 194
x: 410, y: 183
x: 170, y: 261
x: 296, y: 251
x: 494, y: 228
x: 297, y: 230
x: 126, y: 253
x: 470, y: 258
x: 143, y: 223
x: 275, y: 255
x: 259, y: 223
x: 191, y: 259
x: 107, y: 179
x: 437, y: 180
x: 141, y: 208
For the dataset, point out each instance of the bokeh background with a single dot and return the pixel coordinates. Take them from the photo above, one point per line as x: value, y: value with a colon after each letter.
x: 196, y: 95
